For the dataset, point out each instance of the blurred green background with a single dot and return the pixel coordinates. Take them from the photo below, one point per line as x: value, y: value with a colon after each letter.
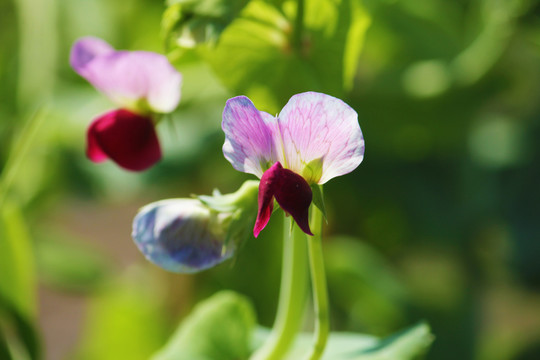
x: 440, y: 222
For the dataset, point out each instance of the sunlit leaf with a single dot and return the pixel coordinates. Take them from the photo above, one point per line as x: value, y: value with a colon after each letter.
x: 264, y: 56
x: 407, y: 344
x: 219, y: 328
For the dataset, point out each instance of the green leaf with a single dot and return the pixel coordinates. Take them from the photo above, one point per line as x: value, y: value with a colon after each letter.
x: 404, y: 345
x: 219, y: 328
x: 256, y: 55
x: 407, y: 344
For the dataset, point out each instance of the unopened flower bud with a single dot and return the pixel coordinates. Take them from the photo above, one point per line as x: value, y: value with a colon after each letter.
x: 190, y: 235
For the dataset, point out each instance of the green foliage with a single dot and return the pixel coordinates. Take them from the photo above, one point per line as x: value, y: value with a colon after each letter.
x: 124, y: 320
x: 69, y: 264
x: 187, y: 23
x: 219, y: 328
x: 407, y: 344
x: 266, y: 56
x: 17, y: 285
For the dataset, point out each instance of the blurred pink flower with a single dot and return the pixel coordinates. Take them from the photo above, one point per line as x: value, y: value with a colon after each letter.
x: 142, y: 84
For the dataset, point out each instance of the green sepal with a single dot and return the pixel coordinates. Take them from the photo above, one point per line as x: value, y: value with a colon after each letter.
x: 244, y: 197
x: 241, y: 207
x: 318, y: 199
x: 312, y: 171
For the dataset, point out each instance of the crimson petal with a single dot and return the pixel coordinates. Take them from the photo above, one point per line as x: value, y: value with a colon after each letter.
x: 291, y: 192
x: 128, y: 139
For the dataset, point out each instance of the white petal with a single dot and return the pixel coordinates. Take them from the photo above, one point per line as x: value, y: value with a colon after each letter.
x: 315, y: 126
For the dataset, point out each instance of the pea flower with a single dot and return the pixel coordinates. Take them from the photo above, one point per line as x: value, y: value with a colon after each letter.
x: 315, y: 138
x: 190, y: 235
x: 143, y: 84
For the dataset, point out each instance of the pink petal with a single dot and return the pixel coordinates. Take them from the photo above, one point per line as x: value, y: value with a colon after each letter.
x: 85, y: 50
x: 249, y: 139
x: 315, y: 126
x: 128, y: 139
x: 130, y: 78
x: 292, y: 193
x: 138, y: 80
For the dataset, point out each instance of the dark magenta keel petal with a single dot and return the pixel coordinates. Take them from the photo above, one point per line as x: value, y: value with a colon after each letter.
x: 266, y: 198
x: 291, y: 192
x: 127, y: 138
x: 294, y: 196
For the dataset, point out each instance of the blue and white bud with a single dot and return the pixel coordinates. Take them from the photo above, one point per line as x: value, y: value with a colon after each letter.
x: 189, y: 235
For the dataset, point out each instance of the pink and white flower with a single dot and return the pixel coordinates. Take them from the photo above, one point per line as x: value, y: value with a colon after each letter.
x: 142, y: 84
x: 315, y: 138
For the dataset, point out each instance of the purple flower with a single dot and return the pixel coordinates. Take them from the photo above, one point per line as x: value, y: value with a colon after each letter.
x: 315, y: 138
x: 190, y: 235
x: 141, y: 83
x: 181, y: 235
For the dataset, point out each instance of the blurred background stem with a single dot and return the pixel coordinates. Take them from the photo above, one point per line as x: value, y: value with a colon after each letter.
x: 292, y: 295
x: 38, y: 42
x: 299, y: 25
x: 18, y: 152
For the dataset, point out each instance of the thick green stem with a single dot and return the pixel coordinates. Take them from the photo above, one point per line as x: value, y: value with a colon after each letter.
x: 320, y: 292
x: 292, y: 296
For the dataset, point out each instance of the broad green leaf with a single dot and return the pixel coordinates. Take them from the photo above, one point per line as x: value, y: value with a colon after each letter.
x: 124, y: 321
x: 407, y: 344
x: 258, y: 54
x: 404, y: 345
x: 219, y: 328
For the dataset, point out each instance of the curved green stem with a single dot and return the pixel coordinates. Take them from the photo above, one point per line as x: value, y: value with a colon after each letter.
x: 292, y: 296
x: 320, y: 292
